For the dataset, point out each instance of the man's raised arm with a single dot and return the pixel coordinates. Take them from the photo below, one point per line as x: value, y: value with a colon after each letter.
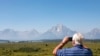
x: 60, y: 45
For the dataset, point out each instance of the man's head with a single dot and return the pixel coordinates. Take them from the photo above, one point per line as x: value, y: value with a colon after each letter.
x: 77, y: 39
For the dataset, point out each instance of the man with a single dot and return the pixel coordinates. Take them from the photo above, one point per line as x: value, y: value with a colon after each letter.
x: 78, y: 48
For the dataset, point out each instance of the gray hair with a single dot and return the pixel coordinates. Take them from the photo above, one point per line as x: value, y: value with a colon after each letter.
x: 77, y: 37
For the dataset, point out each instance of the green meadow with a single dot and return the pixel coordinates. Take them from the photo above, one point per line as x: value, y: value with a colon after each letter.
x: 39, y: 48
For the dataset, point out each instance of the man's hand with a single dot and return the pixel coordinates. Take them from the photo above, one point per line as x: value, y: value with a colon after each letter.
x: 65, y: 40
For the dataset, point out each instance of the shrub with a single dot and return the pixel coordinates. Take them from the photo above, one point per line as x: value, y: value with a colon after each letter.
x: 27, y: 49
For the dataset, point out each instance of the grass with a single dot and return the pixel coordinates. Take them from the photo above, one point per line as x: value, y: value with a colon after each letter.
x: 39, y: 48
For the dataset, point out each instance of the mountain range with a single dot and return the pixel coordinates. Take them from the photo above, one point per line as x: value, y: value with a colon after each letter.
x: 56, y: 32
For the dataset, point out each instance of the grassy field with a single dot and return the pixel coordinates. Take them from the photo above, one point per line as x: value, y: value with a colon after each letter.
x: 39, y: 48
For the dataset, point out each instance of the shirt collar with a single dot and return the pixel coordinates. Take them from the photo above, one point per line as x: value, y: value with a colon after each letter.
x: 79, y: 46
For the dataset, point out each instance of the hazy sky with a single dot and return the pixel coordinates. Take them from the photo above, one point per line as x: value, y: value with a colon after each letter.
x: 79, y: 15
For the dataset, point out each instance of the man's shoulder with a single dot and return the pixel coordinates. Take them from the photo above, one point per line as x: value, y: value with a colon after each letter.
x: 73, y: 49
x: 67, y: 50
x: 64, y: 51
x: 88, y: 50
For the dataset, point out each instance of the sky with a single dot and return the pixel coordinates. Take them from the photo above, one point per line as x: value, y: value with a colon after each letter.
x: 22, y: 15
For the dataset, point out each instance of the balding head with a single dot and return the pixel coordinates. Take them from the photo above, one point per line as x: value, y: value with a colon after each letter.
x: 77, y: 38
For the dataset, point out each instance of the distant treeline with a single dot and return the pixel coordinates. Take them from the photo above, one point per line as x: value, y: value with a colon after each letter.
x: 92, y: 40
x: 58, y: 40
x: 46, y: 40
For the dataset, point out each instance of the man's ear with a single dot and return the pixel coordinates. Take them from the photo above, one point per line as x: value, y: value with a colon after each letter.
x: 73, y: 42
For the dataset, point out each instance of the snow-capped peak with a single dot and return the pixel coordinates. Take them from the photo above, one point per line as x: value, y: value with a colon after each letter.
x: 59, y: 28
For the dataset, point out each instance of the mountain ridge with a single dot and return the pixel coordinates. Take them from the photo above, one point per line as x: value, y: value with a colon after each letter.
x: 56, y: 32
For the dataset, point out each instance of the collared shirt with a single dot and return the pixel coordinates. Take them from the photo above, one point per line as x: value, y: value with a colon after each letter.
x: 77, y: 50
